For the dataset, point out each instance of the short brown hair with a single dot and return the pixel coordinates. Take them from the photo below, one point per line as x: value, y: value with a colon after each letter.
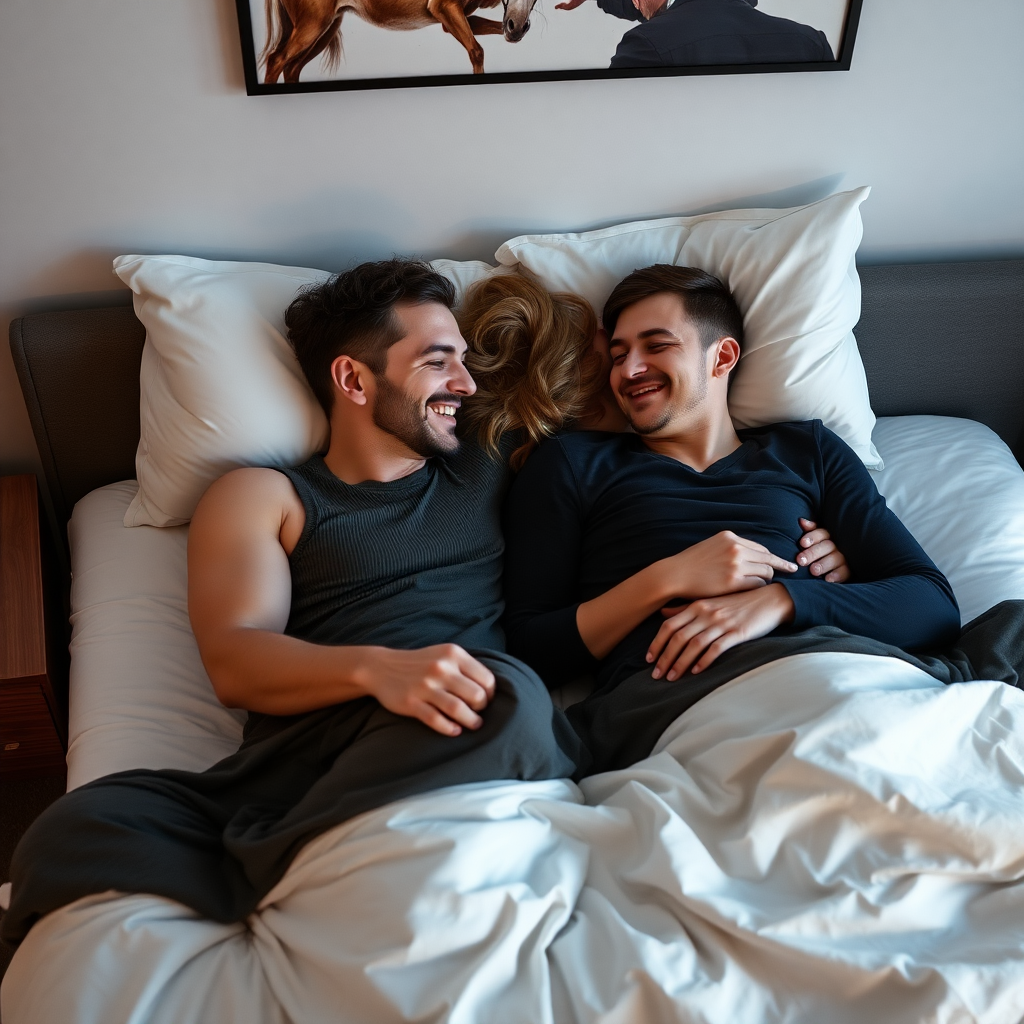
x: 353, y: 314
x: 707, y: 302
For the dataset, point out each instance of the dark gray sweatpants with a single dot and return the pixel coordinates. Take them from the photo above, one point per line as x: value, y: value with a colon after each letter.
x: 620, y: 723
x: 218, y: 841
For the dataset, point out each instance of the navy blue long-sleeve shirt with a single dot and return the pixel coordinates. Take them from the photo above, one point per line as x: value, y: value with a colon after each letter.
x: 589, y: 510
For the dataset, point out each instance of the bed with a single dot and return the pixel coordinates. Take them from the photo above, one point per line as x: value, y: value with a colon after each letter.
x: 832, y: 837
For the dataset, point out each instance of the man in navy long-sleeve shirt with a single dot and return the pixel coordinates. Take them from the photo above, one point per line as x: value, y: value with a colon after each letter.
x: 665, y: 547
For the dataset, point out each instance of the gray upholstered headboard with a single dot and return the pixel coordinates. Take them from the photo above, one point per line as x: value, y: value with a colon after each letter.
x: 947, y: 339
x: 943, y: 338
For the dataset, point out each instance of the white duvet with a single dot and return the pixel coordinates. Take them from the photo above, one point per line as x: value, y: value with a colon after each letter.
x: 830, y: 838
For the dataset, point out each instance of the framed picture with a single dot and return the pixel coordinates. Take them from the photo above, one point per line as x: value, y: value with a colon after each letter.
x: 316, y: 45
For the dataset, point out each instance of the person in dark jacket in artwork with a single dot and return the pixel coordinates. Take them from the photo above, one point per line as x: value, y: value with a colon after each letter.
x: 682, y: 33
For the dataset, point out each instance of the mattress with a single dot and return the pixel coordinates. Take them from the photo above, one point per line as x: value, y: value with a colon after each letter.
x: 140, y: 697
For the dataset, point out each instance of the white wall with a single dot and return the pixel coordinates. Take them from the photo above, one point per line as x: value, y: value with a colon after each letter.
x: 124, y: 127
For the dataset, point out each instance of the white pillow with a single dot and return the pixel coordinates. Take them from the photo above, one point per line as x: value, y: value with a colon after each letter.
x: 221, y: 387
x: 960, y: 492
x: 793, y: 275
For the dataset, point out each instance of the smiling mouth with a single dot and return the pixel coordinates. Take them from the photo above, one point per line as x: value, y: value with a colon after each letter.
x: 642, y: 392
x: 445, y: 410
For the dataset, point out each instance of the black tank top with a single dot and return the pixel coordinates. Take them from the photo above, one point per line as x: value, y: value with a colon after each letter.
x: 403, y: 564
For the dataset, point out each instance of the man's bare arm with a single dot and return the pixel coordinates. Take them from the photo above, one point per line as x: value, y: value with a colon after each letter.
x: 239, y: 595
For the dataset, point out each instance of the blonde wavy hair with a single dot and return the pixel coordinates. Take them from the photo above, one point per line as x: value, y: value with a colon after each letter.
x: 531, y: 354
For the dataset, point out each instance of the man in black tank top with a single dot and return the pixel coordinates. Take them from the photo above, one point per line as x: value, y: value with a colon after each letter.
x: 351, y: 605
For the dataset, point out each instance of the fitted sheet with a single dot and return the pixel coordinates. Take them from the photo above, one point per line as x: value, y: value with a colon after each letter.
x: 140, y: 697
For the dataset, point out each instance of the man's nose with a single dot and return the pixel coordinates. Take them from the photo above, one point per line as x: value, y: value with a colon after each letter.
x: 462, y: 383
x: 633, y: 365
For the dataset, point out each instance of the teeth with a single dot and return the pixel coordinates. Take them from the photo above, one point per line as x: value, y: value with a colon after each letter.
x: 444, y: 410
x: 645, y: 391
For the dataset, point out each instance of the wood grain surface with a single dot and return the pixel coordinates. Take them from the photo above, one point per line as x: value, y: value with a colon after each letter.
x: 31, y: 744
x: 22, y: 635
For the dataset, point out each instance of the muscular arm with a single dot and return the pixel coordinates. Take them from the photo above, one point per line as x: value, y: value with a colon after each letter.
x: 239, y: 596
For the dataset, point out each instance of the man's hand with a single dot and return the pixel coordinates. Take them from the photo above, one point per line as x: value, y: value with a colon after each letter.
x: 700, y: 632
x: 570, y: 5
x: 442, y: 686
x: 722, y: 564
x: 821, y: 554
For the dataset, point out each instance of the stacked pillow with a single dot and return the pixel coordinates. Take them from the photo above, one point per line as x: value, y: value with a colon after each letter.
x: 221, y: 387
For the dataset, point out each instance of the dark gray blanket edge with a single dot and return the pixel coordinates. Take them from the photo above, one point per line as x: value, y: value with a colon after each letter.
x: 218, y: 841
x: 621, y: 724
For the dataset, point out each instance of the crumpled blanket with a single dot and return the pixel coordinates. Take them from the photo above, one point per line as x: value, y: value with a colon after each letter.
x: 829, y: 837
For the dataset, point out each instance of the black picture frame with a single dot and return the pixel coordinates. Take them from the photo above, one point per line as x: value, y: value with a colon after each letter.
x: 255, y: 87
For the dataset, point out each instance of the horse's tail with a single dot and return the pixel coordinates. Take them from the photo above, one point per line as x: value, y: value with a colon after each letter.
x: 335, y: 47
x: 273, y: 29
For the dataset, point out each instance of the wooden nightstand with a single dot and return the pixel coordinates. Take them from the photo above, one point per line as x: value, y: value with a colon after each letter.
x: 33, y: 708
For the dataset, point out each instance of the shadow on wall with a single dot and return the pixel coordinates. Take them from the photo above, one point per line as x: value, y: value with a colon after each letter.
x: 89, y: 273
x: 479, y: 239
x: 85, y: 266
x: 230, y: 46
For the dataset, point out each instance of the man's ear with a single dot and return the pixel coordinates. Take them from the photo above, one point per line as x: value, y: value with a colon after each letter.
x: 726, y: 356
x: 349, y: 378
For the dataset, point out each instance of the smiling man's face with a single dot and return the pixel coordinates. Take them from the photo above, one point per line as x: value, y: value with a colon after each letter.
x: 421, y: 389
x: 660, y: 369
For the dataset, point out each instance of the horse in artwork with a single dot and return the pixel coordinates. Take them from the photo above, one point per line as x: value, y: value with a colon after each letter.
x: 298, y: 31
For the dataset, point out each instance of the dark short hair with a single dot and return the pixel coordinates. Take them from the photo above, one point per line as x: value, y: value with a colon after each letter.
x: 353, y: 314
x: 707, y: 302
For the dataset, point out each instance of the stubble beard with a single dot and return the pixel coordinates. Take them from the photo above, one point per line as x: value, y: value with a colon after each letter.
x: 403, y: 418
x: 693, y: 401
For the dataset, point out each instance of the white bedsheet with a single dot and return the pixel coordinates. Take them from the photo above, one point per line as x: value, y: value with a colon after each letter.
x: 831, y: 838
x: 960, y: 492
x: 140, y: 697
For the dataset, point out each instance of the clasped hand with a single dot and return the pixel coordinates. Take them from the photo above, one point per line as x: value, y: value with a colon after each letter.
x: 702, y: 630
x: 730, y: 579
